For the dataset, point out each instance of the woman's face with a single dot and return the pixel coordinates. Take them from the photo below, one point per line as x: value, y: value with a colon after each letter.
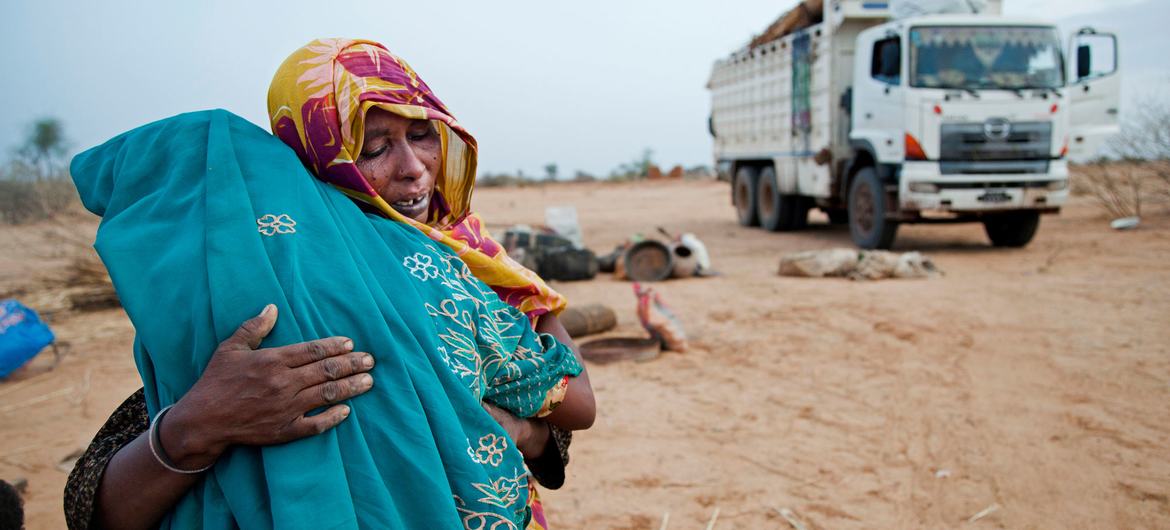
x: 400, y: 159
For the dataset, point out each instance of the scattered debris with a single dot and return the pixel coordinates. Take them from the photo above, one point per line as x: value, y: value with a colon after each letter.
x: 857, y: 265
x: 714, y: 517
x: 942, y: 473
x: 1126, y: 223
x: 659, y: 320
x: 563, y: 221
x: 644, y: 259
x: 22, y: 336
x: 603, y: 351
x: 587, y: 319
x: 789, y: 516
x: 984, y: 513
x: 550, y: 255
x: 665, y: 521
x: 648, y: 260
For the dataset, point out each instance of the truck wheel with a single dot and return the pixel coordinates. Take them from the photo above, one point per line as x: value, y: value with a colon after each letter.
x: 1011, y: 229
x: 867, y: 212
x: 744, y: 192
x: 769, y: 203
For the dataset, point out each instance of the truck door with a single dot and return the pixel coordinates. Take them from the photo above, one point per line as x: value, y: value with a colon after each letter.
x: 878, y: 110
x: 1095, y: 93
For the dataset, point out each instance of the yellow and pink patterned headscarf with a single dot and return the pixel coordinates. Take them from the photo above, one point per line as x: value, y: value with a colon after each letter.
x: 317, y: 104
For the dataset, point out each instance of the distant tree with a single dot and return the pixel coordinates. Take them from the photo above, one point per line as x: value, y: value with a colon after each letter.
x: 634, y: 169
x: 550, y: 171
x: 582, y: 176
x: 44, y: 149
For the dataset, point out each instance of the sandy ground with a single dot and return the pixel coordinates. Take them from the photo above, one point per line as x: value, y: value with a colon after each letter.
x: 1036, y: 381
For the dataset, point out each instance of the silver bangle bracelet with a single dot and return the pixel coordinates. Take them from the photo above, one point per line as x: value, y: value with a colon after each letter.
x: 160, y: 455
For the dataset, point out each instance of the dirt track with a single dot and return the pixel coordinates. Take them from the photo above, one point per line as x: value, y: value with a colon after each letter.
x: 1036, y: 380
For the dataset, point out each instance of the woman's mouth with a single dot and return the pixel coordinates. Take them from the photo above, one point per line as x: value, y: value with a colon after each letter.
x: 412, y: 207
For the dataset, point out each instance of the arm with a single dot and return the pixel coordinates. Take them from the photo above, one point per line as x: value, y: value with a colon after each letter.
x: 246, y: 396
x: 579, y: 409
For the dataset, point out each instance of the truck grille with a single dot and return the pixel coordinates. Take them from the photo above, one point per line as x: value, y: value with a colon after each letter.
x: 970, y: 148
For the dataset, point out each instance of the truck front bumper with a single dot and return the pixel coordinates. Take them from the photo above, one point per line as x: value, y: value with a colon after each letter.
x: 922, y: 187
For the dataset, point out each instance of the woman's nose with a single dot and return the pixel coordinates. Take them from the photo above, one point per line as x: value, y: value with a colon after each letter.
x: 408, y: 165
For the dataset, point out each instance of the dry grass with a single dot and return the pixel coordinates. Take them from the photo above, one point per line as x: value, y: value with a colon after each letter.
x: 1122, y: 189
x: 27, y: 201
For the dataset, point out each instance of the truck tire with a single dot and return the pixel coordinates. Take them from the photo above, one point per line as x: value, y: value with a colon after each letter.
x: 867, y: 212
x: 1012, y: 229
x: 779, y: 212
x: 769, y: 203
x: 744, y: 194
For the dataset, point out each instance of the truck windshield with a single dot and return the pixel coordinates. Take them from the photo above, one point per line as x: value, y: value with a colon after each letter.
x: 985, y: 57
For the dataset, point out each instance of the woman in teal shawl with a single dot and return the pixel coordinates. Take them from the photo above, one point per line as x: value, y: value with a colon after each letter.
x: 206, y: 218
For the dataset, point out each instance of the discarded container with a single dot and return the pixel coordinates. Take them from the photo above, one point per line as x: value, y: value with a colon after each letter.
x: 685, y: 262
x: 702, y: 257
x: 587, y: 319
x: 22, y: 336
x: 648, y: 261
x: 603, y: 351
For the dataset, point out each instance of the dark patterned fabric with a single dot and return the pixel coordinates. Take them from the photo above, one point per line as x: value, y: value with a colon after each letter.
x: 130, y: 420
x: 127, y: 422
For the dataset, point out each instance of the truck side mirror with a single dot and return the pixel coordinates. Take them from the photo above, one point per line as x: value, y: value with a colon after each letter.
x: 1084, y: 61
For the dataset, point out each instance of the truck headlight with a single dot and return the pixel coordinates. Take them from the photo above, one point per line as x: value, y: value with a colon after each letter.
x: 1057, y: 185
x: 923, y: 187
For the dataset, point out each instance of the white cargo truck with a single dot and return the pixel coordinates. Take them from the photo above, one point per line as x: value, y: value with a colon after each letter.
x: 880, y: 121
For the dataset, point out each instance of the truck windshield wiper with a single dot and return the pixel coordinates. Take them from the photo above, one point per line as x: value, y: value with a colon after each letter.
x: 1046, y: 89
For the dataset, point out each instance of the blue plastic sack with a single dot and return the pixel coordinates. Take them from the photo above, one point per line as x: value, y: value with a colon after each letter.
x: 22, y: 336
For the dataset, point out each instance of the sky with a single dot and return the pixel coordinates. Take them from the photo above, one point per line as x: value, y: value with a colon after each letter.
x: 584, y: 85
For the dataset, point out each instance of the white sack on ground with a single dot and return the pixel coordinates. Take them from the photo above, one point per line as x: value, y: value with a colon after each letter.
x: 857, y: 265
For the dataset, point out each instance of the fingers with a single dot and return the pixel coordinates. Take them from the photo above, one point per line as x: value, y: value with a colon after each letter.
x: 334, y: 368
x: 331, y: 392
x: 316, y: 424
x: 253, y: 330
x: 303, y: 353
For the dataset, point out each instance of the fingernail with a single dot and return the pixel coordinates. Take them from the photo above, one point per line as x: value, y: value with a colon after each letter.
x: 367, y: 380
x: 267, y: 309
x: 348, y: 345
x: 344, y: 412
x: 368, y: 361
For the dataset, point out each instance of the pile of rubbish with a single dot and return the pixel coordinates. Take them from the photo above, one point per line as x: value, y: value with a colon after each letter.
x: 556, y: 252
x: 857, y: 264
x: 646, y: 259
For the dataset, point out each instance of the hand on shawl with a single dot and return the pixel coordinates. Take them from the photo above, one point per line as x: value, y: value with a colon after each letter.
x: 530, y: 435
x: 250, y: 396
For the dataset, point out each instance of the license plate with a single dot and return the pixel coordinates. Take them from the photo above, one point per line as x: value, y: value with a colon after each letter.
x: 995, y: 197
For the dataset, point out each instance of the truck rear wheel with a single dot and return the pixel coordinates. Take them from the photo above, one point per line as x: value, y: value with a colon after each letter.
x: 744, y: 193
x: 1011, y: 229
x: 867, y: 212
x: 779, y: 212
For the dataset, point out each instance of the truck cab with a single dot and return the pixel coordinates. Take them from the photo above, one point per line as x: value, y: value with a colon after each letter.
x: 973, y: 118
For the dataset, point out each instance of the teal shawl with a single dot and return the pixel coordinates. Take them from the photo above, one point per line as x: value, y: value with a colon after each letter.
x: 205, y: 219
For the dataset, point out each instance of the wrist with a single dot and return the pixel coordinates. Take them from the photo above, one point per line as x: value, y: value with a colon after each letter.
x: 187, y: 441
